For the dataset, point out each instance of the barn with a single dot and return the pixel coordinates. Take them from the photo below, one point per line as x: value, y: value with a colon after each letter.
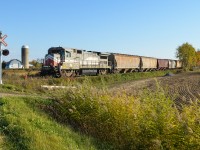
x: 14, y: 64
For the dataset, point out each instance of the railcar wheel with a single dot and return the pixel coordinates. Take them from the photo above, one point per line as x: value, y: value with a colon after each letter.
x: 67, y: 73
x: 103, y: 72
x: 116, y: 71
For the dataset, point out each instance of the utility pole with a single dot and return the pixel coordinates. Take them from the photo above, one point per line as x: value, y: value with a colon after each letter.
x: 0, y: 59
x: 5, y: 44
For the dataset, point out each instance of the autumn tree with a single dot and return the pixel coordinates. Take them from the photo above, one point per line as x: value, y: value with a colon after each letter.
x: 198, y: 57
x: 36, y: 63
x: 187, y: 54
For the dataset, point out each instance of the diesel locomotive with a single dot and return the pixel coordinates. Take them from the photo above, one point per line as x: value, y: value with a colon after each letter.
x: 69, y: 62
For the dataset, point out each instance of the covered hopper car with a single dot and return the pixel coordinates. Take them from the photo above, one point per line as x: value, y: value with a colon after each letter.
x: 178, y: 64
x: 71, y: 62
x: 163, y: 64
x: 124, y: 63
x: 148, y: 63
x: 172, y: 64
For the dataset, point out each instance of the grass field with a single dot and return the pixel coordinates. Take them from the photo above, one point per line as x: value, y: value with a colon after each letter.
x: 25, y: 126
x: 88, y: 116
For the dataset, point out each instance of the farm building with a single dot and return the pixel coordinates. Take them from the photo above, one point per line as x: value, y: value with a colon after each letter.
x: 14, y: 64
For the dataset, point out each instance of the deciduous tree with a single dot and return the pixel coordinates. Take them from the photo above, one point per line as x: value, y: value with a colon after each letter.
x: 187, y: 54
x: 36, y: 64
x: 198, y: 57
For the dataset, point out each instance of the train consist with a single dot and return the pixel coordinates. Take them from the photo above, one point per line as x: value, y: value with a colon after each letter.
x: 72, y: 62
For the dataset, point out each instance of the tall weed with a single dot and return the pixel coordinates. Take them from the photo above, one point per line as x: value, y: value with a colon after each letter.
x: 149, y: 122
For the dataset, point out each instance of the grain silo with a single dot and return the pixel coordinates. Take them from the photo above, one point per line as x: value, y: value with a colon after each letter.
x: 25, y: 52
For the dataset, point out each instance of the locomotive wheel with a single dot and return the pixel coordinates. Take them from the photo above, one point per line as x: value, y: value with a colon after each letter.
x: 57, y: 75
x: 67, y: 73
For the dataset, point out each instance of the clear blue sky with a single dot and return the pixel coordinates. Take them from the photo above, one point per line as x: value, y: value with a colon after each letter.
x: 140, y: 27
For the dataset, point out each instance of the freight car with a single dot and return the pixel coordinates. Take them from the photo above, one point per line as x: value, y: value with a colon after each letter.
x: 71, y: 62
x: 163, y: 64
x: 172, y: 64
x: 178, y: 64
x: 148, y: 63
x: 122, y: 63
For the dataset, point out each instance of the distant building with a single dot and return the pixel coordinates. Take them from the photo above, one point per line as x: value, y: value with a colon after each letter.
x: 14, y: 64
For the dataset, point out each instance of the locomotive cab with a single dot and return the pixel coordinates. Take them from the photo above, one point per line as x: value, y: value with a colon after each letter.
x: 56, y: 56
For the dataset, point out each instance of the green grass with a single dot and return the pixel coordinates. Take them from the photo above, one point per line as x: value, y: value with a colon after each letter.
x: 26, y: 127
x: 18, y: 84
x: 89, y: 117
x: 2, y: 145
x: 114, y: 79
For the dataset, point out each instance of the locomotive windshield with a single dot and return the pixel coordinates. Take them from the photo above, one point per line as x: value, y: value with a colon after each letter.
x: 68, y: 54
x: 55, y: 51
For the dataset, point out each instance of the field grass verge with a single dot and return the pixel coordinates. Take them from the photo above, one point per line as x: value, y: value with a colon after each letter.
x: 18, y: 84
x: 118, y: 121
x: 25, y: 126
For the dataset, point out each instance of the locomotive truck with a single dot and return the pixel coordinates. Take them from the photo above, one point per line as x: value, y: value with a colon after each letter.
x: 69, y: 62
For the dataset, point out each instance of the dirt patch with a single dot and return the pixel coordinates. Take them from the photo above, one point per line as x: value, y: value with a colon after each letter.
x: 182, y: 87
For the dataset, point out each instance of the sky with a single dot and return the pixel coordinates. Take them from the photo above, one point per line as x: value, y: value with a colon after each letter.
x: 153, y: 28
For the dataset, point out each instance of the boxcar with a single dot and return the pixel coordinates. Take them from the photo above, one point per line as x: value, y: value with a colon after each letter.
x: 178, y: 64
x: 124, y: 63
x: 163, y: 64
x: 148, y: 63
x: 172, y: 64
